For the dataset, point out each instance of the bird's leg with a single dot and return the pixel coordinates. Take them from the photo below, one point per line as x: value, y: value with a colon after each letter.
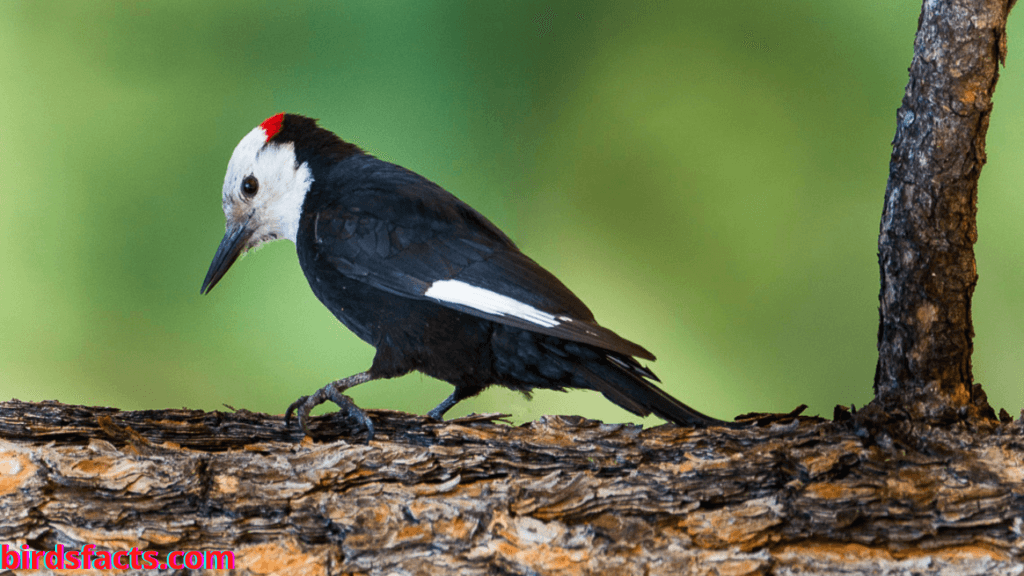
x: 461, y: 393
x: 335, y: 392
x: 438, y: 412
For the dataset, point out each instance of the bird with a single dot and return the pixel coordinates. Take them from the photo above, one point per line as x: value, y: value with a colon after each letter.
x: 425, y: 279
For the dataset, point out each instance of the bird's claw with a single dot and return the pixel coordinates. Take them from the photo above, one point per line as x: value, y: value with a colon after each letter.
x: 303, y: 415
x: 332, y: 392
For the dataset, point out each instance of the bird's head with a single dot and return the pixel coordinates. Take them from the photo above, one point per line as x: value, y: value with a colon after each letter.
x: 263, y: 193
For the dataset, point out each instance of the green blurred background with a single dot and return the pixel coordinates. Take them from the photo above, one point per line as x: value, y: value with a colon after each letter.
x: 707, y: 176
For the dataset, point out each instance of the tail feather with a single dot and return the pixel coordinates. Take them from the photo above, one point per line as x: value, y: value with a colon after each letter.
x: 625, y: 382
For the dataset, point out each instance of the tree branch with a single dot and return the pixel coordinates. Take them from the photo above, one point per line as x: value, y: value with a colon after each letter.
x: 560, y: 496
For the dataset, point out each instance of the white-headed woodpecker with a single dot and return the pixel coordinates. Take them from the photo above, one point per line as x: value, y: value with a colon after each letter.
x: 418, y: 274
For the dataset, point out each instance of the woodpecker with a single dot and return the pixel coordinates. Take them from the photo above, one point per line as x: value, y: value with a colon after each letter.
x: 422, y: 277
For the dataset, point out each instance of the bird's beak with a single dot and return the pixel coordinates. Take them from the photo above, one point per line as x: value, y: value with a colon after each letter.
x: 229, y: 250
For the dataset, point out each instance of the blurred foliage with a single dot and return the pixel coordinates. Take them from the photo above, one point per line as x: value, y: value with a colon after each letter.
x: 708, y: 177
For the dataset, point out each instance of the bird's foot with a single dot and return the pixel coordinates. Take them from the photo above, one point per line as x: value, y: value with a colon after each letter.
x: 334, y: 392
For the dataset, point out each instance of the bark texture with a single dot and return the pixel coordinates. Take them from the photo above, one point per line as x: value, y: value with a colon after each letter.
x: 562, y: 495
x: 928, y: 228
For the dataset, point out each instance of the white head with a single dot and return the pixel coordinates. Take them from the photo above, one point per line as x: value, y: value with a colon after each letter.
x: 262, y: 197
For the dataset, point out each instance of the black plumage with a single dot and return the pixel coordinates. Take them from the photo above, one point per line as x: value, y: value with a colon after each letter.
x: 411, y: 270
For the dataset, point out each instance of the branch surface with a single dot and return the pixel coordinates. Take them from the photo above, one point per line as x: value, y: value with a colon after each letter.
x: 562, y: 495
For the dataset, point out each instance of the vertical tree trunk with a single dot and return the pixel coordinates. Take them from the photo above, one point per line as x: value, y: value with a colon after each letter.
x: 928, y: 229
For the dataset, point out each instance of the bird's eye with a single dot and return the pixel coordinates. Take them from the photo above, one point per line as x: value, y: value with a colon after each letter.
x: 250, y: 185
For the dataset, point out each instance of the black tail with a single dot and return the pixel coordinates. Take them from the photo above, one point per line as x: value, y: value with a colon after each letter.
x: 625, y: 382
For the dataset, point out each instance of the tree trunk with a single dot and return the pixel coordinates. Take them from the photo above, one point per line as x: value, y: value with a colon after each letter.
x: 928, y: 229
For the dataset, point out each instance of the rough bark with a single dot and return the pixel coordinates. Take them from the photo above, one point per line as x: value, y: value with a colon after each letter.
x: 562, y: 495
x: 928, y: 229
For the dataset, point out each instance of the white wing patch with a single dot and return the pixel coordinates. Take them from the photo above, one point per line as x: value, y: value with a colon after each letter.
x: 484, y: 300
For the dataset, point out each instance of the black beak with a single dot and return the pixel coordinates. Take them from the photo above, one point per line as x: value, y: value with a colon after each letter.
x: 229, y: 250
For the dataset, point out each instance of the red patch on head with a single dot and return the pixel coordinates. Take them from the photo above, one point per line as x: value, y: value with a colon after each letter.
x: 271, y: 126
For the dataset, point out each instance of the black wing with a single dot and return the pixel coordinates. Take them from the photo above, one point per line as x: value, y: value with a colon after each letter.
x: 398, y: 232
